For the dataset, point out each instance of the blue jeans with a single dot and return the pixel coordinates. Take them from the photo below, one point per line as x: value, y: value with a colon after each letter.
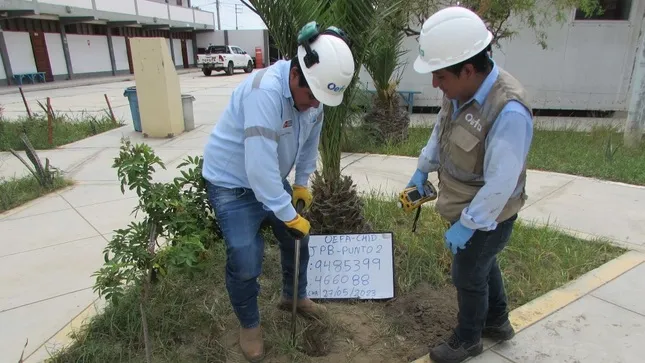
x: 478, y: 279
x: 240, y: 216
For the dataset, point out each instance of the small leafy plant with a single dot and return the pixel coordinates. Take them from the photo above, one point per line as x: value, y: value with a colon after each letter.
x: 177, y: 213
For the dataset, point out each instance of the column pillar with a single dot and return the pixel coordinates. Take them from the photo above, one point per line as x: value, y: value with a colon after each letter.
x: 68, y: 58
x: 5, y: 58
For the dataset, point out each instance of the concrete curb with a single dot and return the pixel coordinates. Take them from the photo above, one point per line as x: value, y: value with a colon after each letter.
x: 62, y: 337
x: 554, y: 300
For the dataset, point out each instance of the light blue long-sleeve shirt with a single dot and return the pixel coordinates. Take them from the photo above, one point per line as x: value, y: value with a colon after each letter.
x: 507, y: 146
x: 260, y: 137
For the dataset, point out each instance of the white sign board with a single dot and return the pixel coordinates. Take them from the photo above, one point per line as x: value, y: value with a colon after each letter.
x: 351, y: 266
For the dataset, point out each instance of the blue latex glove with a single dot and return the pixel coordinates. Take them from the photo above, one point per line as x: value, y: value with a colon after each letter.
x: 418, y: 179
x: 457, y: 236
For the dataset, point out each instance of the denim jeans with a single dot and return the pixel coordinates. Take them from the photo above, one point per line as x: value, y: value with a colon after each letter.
x: 240, y: 216
x: 478, y: 279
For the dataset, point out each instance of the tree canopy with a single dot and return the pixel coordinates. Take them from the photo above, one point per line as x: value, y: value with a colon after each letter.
x: 534, y: 14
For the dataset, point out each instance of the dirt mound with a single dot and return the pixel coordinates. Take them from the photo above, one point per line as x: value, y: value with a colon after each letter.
x: 424, y: 316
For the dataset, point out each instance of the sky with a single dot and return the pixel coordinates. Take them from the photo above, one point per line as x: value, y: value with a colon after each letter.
x: 245, y: 20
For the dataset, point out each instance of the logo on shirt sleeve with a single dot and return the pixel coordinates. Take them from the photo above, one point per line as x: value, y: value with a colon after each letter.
x: 287, y: 124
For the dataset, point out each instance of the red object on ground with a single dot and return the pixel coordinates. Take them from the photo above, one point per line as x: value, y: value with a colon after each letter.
x: 258, y: 58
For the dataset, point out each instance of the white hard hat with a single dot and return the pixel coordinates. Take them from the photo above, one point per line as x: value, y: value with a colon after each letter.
x: 329, y: 78
x: 449, y: 36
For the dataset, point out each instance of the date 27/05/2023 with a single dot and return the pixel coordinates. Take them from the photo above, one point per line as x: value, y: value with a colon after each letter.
x: 359, y: 282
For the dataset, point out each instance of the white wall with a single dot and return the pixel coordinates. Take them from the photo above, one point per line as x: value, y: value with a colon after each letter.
x: 587, y: 64
x: 203, y: 17
x: 87, y: 4
x: 55, y: 52
x: 181, y: 14
x: 179, y: 60
x: 584, y: 68
x: 247, y: 40
x: 120, y: 53
x: 152, y: 9
x: 117, y: 6
x: 21, y: 54
x: 89, y: 53
x: 205, y: 39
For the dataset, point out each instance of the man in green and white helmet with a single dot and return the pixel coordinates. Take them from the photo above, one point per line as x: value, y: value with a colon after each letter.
x: 478, y: 147
x: 271, y: 125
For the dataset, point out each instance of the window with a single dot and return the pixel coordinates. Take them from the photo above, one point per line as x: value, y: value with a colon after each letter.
x: 611, y: 10
x: 218, y: 49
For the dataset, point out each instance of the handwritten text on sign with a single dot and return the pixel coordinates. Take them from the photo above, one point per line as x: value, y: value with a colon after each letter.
x: 350, y: 266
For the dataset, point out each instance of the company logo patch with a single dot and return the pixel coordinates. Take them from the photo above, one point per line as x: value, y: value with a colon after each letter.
x: 333, y: 87
x: 472, y: 121
x: 287, y: 123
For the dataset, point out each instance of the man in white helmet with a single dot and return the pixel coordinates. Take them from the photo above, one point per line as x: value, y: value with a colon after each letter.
x: 272, y: 123
x: 478, y: 148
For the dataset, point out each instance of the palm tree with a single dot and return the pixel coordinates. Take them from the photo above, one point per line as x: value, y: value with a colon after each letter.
x: 337, y: 207
x: 387, y: 121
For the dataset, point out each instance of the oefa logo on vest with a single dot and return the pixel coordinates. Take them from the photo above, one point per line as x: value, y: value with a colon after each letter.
x: 474, y: 122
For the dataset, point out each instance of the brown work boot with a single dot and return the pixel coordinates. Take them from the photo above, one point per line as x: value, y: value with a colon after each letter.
x: 305, y: 307
x: 252, y: 344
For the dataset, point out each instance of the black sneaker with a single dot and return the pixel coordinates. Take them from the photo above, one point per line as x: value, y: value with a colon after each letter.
x: 455, y: 351
x: 503, y: 331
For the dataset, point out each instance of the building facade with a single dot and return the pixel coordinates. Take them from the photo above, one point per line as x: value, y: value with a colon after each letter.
x: 53, y: 40
x: 587, y: 66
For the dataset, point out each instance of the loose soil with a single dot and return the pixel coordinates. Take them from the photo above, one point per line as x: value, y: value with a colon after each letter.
x: 425, y: 317
x: 399, y: 330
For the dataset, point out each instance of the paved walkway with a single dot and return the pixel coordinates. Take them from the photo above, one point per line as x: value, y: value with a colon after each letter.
x: 51, y: 246
x: 76, y: 82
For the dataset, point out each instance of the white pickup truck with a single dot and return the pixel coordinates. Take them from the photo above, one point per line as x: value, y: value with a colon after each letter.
x: 226, y: 58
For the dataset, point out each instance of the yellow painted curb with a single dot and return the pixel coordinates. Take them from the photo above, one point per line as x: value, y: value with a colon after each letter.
x: 554, y: 300
x: 62, y: 338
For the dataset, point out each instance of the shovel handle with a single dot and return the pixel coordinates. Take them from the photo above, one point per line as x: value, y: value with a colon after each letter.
x: 300, y: 205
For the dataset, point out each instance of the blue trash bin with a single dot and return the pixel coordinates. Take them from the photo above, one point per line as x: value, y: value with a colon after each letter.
x: 131, y: 94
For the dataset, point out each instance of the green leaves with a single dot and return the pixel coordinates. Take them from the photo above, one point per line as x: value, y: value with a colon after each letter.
x: 534, y: 14
x: 135, y: 166
x: 383, y: 57
x: 177, y: 211
x: 45, y: 175
x: 284, y: 18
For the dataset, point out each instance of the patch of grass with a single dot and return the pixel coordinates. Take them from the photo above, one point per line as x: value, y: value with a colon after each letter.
x: 17, y: 191
x: 65, y: 130
x: 191, y: 319
x: 598, y: 153
x: 536, y: 260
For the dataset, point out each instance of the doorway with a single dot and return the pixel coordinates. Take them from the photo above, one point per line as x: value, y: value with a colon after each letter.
x: 41, y: 56
x: 184, y: 53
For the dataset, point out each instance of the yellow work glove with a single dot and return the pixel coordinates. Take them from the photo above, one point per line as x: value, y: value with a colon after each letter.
x: 301, y: 193
x: 298, y: 227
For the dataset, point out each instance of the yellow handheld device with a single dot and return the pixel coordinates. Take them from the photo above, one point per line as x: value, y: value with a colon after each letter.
x: 410, y: 198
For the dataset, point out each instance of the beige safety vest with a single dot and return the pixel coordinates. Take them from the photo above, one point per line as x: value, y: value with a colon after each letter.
x: 462, y: 149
